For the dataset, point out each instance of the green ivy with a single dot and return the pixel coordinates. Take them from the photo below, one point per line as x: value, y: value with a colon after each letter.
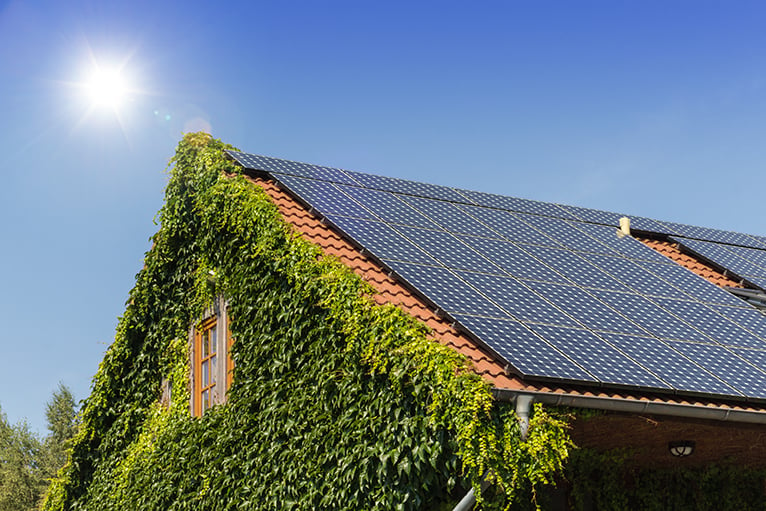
x: 337, y: 403
x: 609, y: 481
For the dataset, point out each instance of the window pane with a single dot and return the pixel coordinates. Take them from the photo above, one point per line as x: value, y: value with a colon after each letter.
x: 213, y: 366
x: 205, y: 374
x: 205, y: 343
x: 205, y: 400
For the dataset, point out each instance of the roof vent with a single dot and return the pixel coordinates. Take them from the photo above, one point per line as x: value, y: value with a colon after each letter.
x: 624, y: 229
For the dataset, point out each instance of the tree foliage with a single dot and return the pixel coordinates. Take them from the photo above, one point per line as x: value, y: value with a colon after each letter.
x: 28, y: 463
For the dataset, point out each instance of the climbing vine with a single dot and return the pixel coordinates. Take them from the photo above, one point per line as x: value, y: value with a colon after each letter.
x: 336, y: 402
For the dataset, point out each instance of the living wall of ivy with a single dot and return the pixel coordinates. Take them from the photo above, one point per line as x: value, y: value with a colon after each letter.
x: 609, y: 481
x: 337, y: 403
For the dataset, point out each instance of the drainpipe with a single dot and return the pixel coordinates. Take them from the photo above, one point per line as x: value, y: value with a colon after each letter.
x: 523, y: 407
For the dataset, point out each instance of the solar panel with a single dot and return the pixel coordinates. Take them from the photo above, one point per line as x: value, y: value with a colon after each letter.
x: 748, y: 318
x: 325, y: 197
x: 598, y: 357
x: 723, y: 256
x: 381, y: 240
x: 634, y: 276
x: 513, y: 259
x: 520, y: 301
x: 552, y: 289
x: 446, y: 290
x: 403, y: 186
x: 276, y: 165
x: 388, y: 207
x: 576, y: 268
x: 566, y: 234
x: 676, y: 369
x: 739, y: 374
x: 690, y: 283
x: 448, y: 249
x: 586, y: 308
x: 716, y: 235
x: 491, y: 200
x: 626, y: 245
x: 509, y: 226
x: 592, y: 215
x: 526, y: 352
x: 707, y: 321
x: 449, y: 216
x: 651, y: 316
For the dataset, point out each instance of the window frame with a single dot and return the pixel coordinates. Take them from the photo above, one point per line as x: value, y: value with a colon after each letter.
x: 214, y: 320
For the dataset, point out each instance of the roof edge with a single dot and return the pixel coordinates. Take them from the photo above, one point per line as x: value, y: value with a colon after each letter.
x: 635, y: 406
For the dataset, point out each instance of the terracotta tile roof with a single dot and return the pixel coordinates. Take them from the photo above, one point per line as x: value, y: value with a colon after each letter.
x: 671, y: 250
x: 392, y: 291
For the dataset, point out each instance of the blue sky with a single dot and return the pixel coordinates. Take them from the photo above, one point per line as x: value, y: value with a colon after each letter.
x: 652, y: 108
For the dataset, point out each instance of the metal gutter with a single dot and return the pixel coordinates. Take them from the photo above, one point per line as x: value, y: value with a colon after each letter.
x: 633, y: 406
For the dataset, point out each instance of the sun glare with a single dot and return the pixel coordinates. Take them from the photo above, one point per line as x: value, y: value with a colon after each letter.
x: 107, y: 88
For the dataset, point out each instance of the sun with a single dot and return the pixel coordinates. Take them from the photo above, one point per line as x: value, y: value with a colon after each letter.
x: 107, y: 88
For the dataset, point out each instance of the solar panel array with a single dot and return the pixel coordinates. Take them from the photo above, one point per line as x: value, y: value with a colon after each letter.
x: 551, y: 289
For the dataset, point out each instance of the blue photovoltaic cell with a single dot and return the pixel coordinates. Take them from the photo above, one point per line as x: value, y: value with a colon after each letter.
x: 758, y: 281
x: 448, y: 249
x: 626, y: 245
x: 647, y: 224
x: 566, y: 234
x: 707, y: 321
x: 634, y: 276
x: 391, y: 184
x: 747, y: 317
x: 723, y: 257
x: 755, y: 357
x: 526, y: 352
x: 387, y: 207
x: 593, y: 216
x: 576, y: 268
x: 256, y: 162
x: 446, y: 290
x: 753, y: 255
x: 716, y: 235
x: 586, y: 308
x: 674, y: 368
x: 651, y: 316
x: 727, y: 366
x: 521, y: 302
x: 381, y: 240
x: 690, y: 283
x: 449, y: 216
x: 514, y: 260
x: 509, y: 226
x: 516, y: 204
x: 598, y: 357
x: 325, y: 197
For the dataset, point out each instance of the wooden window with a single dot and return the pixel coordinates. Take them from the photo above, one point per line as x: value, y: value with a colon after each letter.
x: 205, y: 365
x: 211, y: 363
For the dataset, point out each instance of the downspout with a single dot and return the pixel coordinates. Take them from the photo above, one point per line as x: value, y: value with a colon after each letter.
x: 523, y: 407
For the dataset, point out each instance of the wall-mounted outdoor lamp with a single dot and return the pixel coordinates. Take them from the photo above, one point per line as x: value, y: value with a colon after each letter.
x: 681, y: 448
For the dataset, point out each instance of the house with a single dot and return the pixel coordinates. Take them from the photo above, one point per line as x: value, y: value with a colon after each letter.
x: 651, y: 333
